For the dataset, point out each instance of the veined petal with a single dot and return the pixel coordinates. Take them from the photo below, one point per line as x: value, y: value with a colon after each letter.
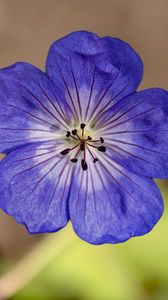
x: 136, y: 133
x: 109, y: 204
x: 93, y: 72
x: 31, y: 108
x: 34, y: 187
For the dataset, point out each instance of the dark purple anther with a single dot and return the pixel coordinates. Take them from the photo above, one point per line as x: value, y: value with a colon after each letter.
x: 68, y: 133
x: 95, y: 160
x: 65, y: 151
x: 74, y: 131
x: 84, y: 165
x: 101, y: 148
x: 74, y: 160
x: 82, y: 126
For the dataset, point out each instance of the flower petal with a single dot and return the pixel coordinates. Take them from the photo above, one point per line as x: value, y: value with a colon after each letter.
x: 93, y: 72
x: 34, y: 187
x: 29, y: 108
x: 136, y: 133
x: 108, y: 204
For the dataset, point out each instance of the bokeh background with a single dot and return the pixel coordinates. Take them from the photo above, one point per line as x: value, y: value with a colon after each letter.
x: 60, y: 266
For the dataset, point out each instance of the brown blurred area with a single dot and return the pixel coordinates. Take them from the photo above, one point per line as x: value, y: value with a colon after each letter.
x: 28, y: 27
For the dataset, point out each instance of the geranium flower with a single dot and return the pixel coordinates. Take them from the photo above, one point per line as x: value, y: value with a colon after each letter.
x: 81, y: 143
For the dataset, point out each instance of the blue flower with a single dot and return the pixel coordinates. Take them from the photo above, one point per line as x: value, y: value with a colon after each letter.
x: 81, y: 143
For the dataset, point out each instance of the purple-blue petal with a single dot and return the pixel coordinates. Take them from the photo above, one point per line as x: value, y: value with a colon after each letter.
x: 93, y: 72
x: 30, y: 107
x: 34, y: 187
x: 111, y: 204
x: 136, y: 132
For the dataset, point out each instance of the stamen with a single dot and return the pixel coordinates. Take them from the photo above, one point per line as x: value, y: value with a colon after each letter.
x: 68, y: 134
x: 83, y: 145
x: 94, y: 158
x: 67, y: 150
x: 82, y: 126
x: 75, y: 158
x: 96, y: 141
x: 75, y: 132
x: 100, y: 148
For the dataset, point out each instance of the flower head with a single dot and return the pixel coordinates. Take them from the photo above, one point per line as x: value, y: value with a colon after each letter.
x: 81, y: 143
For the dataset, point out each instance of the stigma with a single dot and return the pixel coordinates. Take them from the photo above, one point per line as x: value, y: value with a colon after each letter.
x: 83, y: 144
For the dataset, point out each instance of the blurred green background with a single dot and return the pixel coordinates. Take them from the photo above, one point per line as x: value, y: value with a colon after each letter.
x: 60, y: 266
